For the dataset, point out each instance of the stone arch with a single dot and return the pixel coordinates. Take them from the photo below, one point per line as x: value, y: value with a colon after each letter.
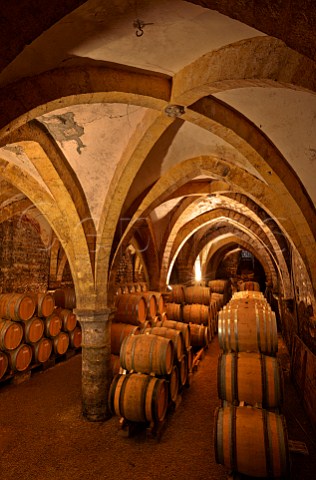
x: 232, y: 66
x: 267, y: 198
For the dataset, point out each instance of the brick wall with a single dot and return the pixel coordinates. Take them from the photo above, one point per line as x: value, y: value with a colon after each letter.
x: 24, y: 260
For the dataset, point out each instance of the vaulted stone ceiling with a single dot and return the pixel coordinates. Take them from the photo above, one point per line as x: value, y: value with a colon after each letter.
x: 86, y: 133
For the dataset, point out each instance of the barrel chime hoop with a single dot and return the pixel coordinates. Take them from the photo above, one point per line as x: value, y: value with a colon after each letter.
x: 267, y: 443
x: 220, y: 338
x: 221, y: 384
x: 228, y: 329
x: 133, y: 354
x: 122, y: 392
x: 236, y: 330
x: 144, y: 395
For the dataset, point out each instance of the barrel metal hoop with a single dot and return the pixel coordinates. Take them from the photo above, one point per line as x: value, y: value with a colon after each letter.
x: 236, y: 330
x: 267, y: 443
x: 124, y: 381
x: 228, y: 330
x: 234, y: 374
x: 134, y: 340
x: 267, y: 331
x: 143, y: 402
x: 154, y: 399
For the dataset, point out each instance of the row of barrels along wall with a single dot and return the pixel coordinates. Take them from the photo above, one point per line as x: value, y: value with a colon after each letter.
x: 198, y: 304
x: 250, y: 439
x: 32, y: 329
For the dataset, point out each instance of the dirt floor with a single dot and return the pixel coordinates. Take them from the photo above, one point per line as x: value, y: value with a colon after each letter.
x: 43, y: 435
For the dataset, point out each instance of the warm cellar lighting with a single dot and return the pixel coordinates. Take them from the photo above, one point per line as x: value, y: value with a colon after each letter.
x: 197, y: 269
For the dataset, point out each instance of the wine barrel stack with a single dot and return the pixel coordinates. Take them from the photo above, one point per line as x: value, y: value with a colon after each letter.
x: 198, y: 305
x: 136, y: 308
x: 250, y: 433
x: 34, y: 330
x: 153, y: 352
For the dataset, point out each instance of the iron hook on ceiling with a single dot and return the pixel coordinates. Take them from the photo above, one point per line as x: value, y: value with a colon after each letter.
x: 139, y: 25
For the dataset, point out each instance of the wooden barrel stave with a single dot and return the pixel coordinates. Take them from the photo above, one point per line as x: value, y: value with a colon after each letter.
x: 174, y: 335
x: 75, y: 337
x: 250, y: 377
x: 52, y: 325
x: 33, y: 330
x: 11, y: 334
x: 243, y: 437
x: 17, y: 306
x: 147, y: 353
x: 139, y: 397
x: 197, y: 294
x: 131, y: 309
x: 20, y: 358
x: 196, y: 313
x: 42, y: 350
x: 118, y: 332
x: 247, y: 329
x: 60, y: 343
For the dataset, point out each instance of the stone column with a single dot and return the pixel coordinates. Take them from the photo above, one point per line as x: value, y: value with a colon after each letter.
x: 96, y: 363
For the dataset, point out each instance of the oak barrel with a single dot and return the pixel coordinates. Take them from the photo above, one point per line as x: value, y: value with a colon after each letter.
x: 196, y: 313
x: 174, y: 335
x: 199, y: 335
x: 176, y: 294
x: 138, y: 397
x: 75, y: 337
x: 218, y: 298
x: 20, y: 358
x: 4, y: 362
x: 131, y: 309
x: 173, y: 384
x: 65, y: 298
x: 218, y: 286
x: 247, y: 329
x: 45, y: 304
x: 17, y: 306
x: 11, y: 334
x: 181, y: 326
x: 151, y: 302
x: 183, y: 370
x: 147, y: 353
x: 118, y: 332
x: 68, y: 318
x: 60, y: 343
x: 33, y: 329
x: 250, y: 377
x: 174, y: 311
x: 247, y: 294
x: 42, y: 350
x: 251, y: 286
x: 52, y: 325
x: 197, y: 294
x: 252, y: 441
